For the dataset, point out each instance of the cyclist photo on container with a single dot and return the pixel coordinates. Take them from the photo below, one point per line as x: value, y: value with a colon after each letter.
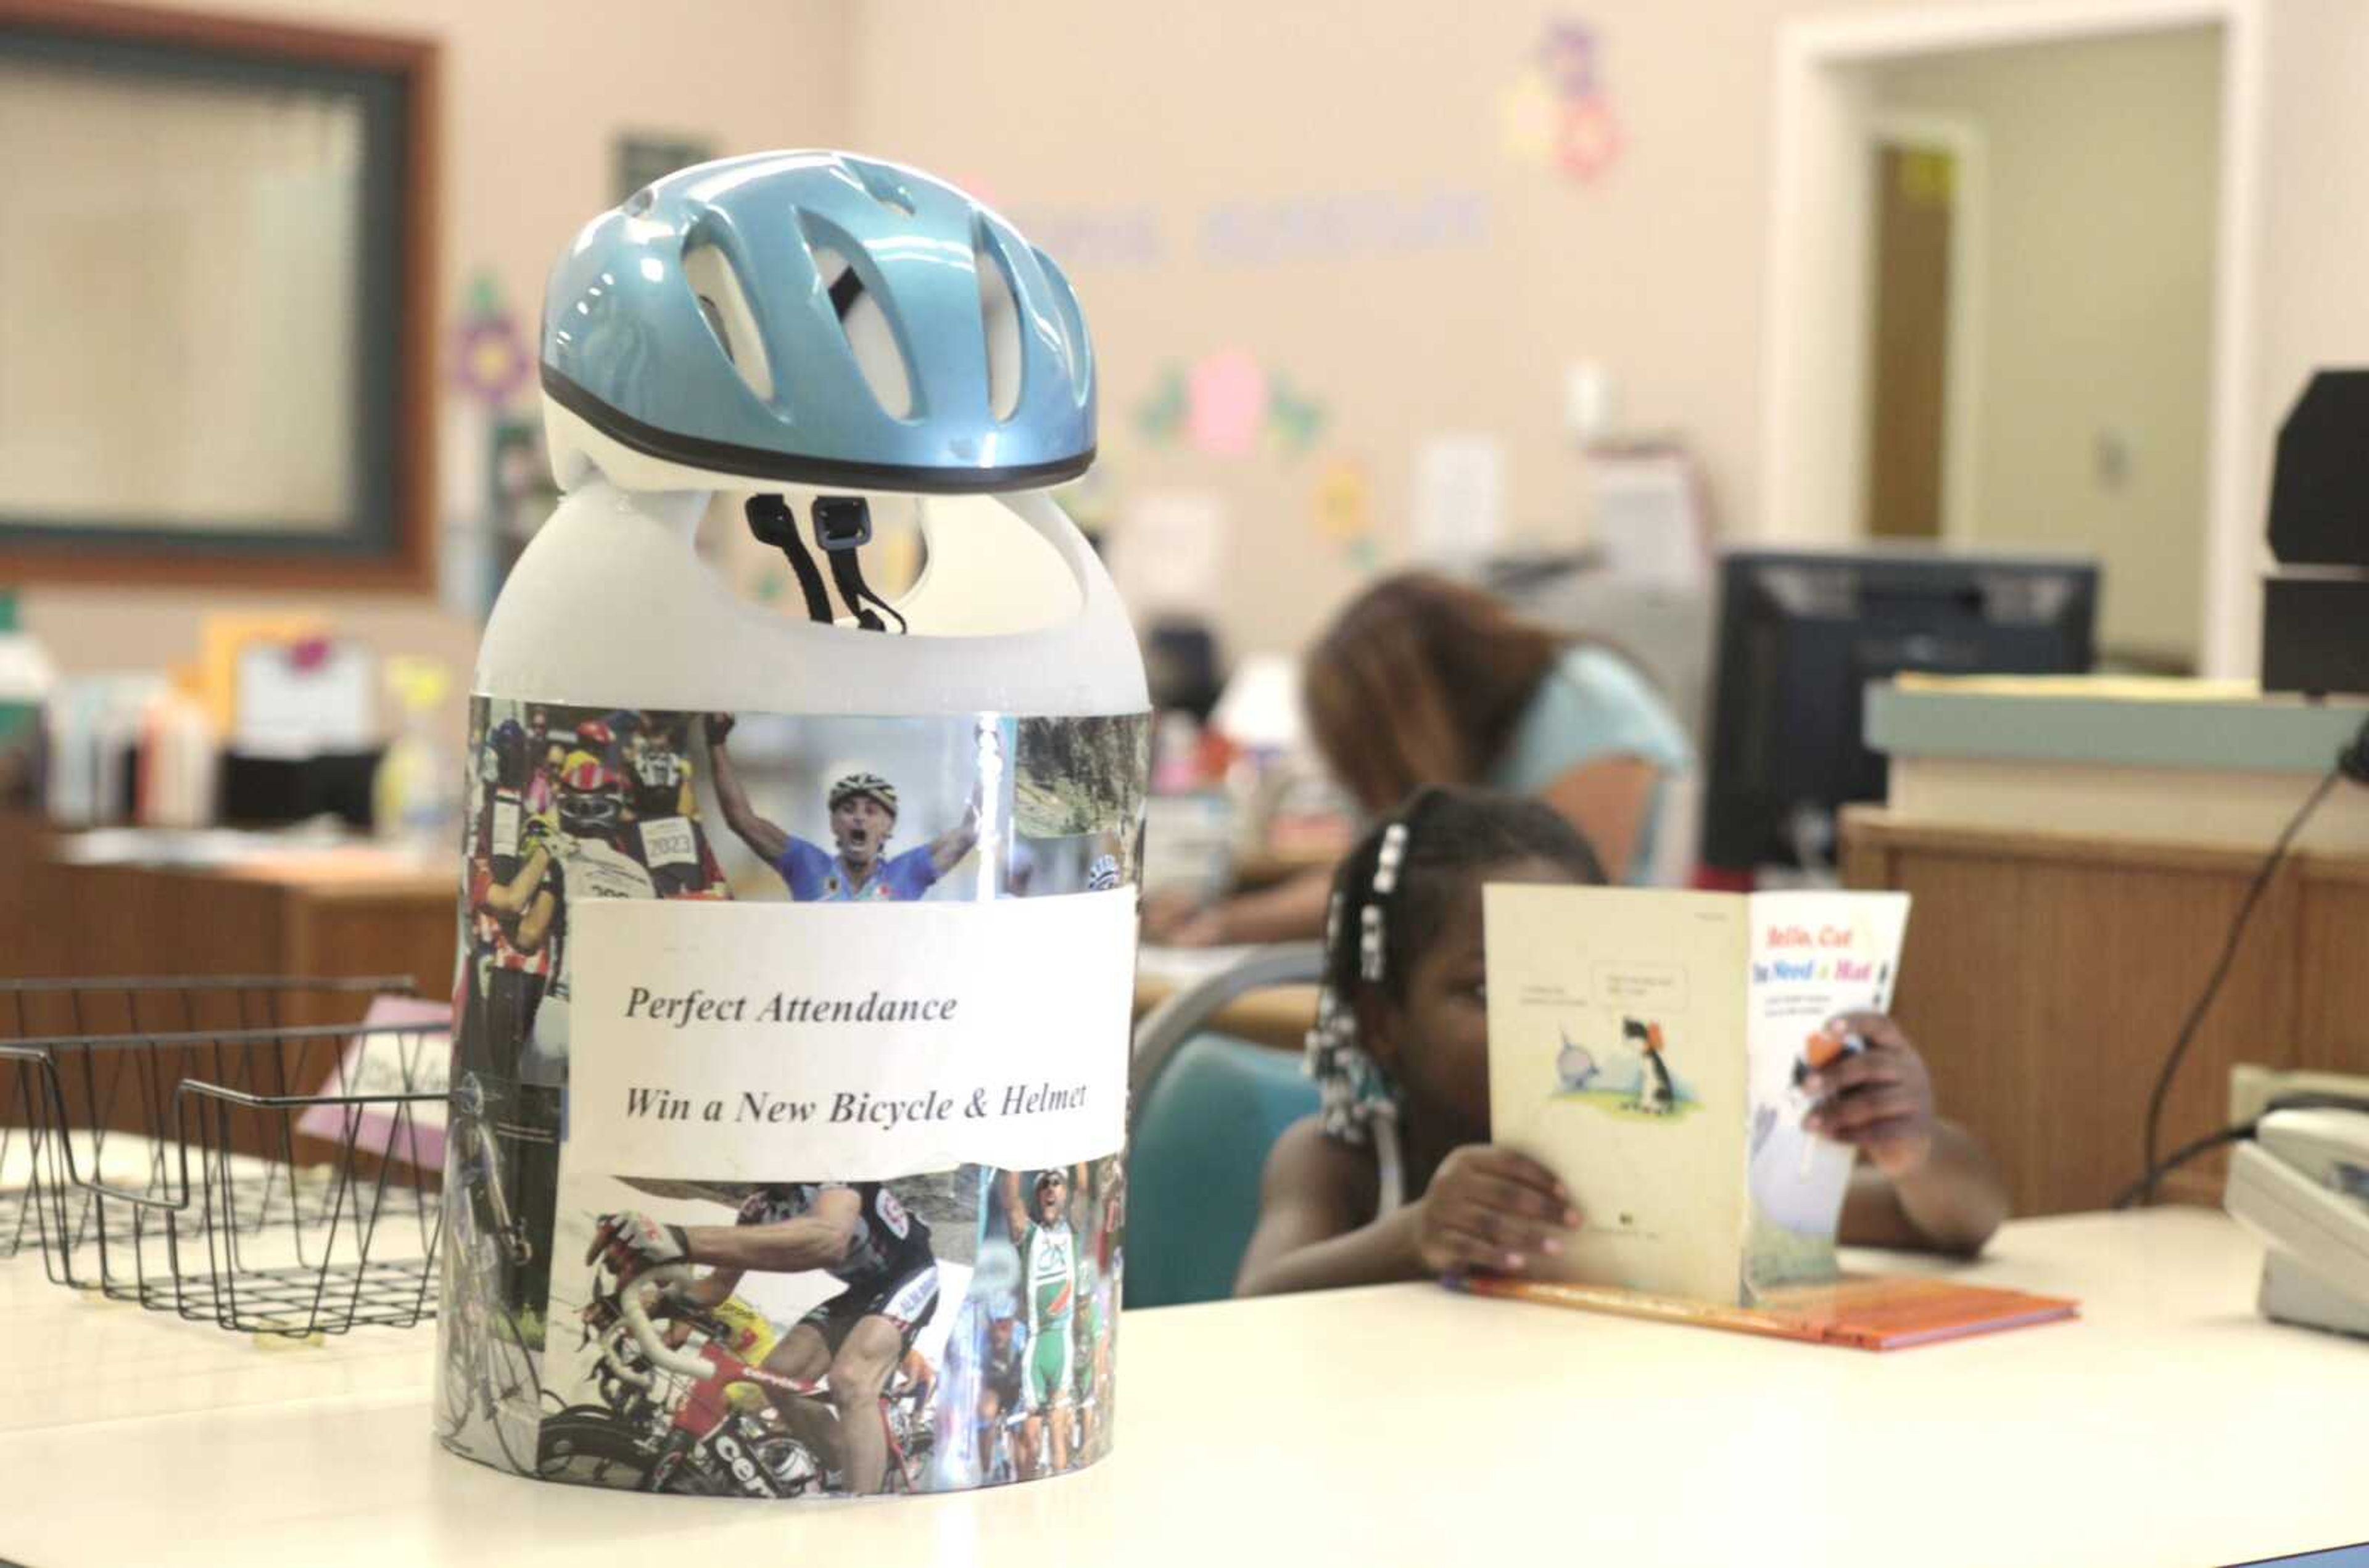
x: 585, y: 851
x: 863, y: 818
x: 510, y: 925
x: 1001, y: 1400
x: 540, y: 796
x: 488, y: 1368
x: 747, y: 1333
x: 664, y: 806
x: 1049, y: 1244
x: 859, y: 1233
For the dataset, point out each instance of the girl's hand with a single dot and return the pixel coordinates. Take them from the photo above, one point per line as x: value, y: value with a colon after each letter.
x: 1880, y: 1101
x: 1491, y: 1209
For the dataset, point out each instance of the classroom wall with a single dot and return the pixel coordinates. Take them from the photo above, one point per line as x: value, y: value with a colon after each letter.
x: 1656, y: 269
x: 1112, y: 124
x: 2101, y: 184
x: 2314, y: 312
x: 1149, y: 141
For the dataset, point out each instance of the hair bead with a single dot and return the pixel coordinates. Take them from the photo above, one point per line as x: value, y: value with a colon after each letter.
x: 1386, y: 862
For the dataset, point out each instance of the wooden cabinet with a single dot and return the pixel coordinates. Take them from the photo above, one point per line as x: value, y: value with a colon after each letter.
x: 2047, y: 975
x: 57, y: 919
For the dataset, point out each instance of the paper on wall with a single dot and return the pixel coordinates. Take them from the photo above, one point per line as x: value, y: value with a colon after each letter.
x: 1460, y: 497
x: 1646, y: 517
x: 1169, y: 551
x: 305, y: 700
x: 1227, y: 398
x: 1342, y: 503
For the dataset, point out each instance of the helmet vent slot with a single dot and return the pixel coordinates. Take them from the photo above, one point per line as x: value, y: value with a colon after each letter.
x: 870, y: 339
x: 999, y: 315
x: 725, y: 305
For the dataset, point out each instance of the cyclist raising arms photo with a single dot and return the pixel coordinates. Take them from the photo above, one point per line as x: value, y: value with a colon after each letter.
x: 863, y: 1237
x: 862, y: 815
x: 1048, y: 1247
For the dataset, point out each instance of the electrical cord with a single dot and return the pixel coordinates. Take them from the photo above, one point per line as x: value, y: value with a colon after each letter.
x: 2237, y: 1132
x: 2352, y: 763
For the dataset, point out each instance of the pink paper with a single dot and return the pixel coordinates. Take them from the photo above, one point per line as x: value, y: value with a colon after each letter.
x: 373, y: 1065
x: 1228, y: 393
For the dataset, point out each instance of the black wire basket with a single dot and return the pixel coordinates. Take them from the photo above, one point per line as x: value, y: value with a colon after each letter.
x: 122, y: 1103
x: 269, y: 1178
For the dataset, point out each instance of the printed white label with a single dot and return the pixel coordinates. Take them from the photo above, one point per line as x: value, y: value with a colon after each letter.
x: 666, y: 841
x: 765, y: 1042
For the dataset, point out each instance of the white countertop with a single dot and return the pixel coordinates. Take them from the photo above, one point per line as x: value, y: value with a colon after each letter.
x: 2169, y: 1426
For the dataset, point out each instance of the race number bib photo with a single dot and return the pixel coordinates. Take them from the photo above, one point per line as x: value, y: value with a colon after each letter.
x: 757, y: 1196
x: 669, y: 841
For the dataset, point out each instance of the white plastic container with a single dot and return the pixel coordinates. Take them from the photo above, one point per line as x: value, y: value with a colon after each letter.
x: 611, y: 597
x: 1017, y: 658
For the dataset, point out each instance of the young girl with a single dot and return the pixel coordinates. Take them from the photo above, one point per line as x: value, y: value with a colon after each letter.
x: 1395, y: 1177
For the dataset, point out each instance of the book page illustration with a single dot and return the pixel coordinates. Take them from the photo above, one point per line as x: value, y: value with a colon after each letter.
x: 1616, y: 1059
x: 1627, y: 1072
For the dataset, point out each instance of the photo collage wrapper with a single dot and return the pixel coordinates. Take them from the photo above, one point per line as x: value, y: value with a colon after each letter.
x: 868, y: 1360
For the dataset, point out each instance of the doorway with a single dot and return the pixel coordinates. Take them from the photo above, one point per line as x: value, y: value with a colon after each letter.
x: 1957, y: 352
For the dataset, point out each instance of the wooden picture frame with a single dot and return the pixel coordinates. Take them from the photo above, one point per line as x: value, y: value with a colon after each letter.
x: 388, y: 538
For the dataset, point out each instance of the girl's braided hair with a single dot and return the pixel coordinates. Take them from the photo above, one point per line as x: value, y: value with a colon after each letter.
x: 1389, y: 899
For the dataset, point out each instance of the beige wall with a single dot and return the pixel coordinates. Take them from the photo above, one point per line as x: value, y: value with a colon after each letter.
x: 2314, y: 211
x: 1654, y: 271
x: 1658, y: 271
x: 2100, y: 185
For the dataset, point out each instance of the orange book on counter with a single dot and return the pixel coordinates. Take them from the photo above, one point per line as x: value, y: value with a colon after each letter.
x: 1863, y: 1312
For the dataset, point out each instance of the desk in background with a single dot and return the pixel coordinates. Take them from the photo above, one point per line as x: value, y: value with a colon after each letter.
x: 1272, y: 867
x: 336, y: 914
x: 1400, y: 1425
x: 2077, y: 851
x: 1277, y: 1017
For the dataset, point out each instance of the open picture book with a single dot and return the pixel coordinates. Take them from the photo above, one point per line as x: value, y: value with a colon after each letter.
x: 1651, y: 1048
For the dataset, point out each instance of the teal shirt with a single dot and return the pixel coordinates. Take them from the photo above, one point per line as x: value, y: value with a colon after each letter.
x: 1592, y: 705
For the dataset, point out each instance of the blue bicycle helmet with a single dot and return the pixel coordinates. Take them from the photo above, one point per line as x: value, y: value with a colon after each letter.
x: 816, y: 318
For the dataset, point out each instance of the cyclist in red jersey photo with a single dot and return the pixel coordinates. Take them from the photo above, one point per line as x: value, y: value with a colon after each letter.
x: 864, y: 1237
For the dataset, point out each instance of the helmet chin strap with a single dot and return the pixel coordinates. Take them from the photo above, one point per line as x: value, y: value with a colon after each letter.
x: 771, y: 522
x: 849, y: 574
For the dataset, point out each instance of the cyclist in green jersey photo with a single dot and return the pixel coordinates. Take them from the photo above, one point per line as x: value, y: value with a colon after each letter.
x: 1049, y: 1246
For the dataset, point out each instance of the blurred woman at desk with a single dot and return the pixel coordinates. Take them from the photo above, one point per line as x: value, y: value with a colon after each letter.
x: 1424, y: 681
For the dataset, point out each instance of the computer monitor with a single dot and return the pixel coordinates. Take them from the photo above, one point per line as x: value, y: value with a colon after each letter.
x: 1802, y: 633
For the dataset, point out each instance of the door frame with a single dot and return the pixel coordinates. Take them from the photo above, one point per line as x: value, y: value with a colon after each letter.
x: 1813, y: 384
